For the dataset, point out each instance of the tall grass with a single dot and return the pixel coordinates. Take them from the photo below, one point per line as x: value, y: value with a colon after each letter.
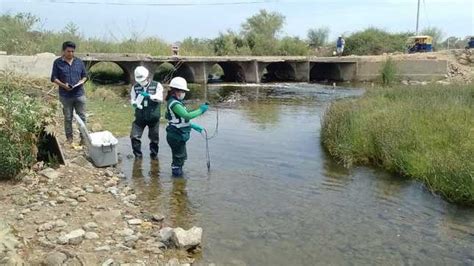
x: 425, y: 133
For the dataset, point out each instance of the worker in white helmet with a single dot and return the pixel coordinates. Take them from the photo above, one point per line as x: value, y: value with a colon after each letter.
x: 179, y: 125
x: 146, y: 97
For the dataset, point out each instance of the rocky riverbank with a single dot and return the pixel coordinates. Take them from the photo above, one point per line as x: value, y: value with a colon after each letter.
x: 80, y: 215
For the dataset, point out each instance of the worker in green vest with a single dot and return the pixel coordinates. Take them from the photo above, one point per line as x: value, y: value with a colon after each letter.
x: 146, y: 97
x: 179, y: 125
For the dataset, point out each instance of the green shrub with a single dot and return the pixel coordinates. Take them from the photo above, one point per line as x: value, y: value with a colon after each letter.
x: 20, y: 123
x: 374, y: 41
x: 388, y: 72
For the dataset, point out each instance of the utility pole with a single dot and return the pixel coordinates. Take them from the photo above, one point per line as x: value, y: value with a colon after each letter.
x: 417, y: 17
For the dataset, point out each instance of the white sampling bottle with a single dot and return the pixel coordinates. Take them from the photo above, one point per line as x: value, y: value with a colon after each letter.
x: 139, y: 101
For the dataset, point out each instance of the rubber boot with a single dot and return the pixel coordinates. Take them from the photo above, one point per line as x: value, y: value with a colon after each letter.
x: 177, y: 170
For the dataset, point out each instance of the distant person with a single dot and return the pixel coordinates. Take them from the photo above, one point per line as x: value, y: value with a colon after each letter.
x: 146, y: 97
x: 340, y: 45
x: 179, y: 125
x: 175, y: 49
x: 69, y: 73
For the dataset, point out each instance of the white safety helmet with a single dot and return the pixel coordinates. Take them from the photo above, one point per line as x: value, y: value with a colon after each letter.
x: 141, y: 74
x: 179, y: 83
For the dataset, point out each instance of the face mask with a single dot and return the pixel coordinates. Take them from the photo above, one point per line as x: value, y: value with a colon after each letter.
x: 143, y: 83
x: 181, y: 96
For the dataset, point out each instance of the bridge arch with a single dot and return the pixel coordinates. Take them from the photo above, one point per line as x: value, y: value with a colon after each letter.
x: 183, y: 70
x: 278, y: 71
x: 127, y: 72
x: 233, y: 72
x: 107, y: 72
x: 333, y: 71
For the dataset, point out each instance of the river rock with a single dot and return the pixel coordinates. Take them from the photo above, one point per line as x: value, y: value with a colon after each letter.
x: 90, y: 226
x: 165, y: 234
x: 60, y: 223
x: 107, y: 218
x: 44, y: 242
x: 102, y: 248
x: 124, y: 232
x: 187, y: 239
x: 131, y: 197
x: 46, y: 226
x: 55, y: 258
x: 158, y: 217
x: 112, y: 190
x: 81, y: 161
x: 110, y: 183
x: 135, y: 222
x: 60, y: 199
x: 75, y: 237
x: 463, y: 61
x: 50, y: 173
x: 91, y: 235
x: 82, y: 199
x: 109, y: 173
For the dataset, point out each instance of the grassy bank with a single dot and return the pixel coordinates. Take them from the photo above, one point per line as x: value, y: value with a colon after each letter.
x: 109, y: 108
x: 425, y: 133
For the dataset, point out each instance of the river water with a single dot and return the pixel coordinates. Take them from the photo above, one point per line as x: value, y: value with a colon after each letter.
x: 274, y: 197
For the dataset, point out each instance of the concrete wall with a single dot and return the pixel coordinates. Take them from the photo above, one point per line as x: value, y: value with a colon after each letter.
x: 39, y: 65
x: 419, y: 69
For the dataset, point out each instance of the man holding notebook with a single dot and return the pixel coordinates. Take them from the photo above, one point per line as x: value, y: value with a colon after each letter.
x: 69, y: 73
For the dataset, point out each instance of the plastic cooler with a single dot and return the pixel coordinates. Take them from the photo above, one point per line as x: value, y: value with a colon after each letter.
x: 100, y: 145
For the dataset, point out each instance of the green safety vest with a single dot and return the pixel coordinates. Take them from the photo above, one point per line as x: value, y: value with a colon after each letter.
x: 178, y: 127
x: 151, y: 111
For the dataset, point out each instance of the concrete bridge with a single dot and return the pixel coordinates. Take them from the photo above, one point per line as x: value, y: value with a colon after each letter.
x: 249, y: 69
x: 259, y: 69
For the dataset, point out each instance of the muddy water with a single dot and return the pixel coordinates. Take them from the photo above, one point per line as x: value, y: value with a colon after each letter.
x: 273, y: 197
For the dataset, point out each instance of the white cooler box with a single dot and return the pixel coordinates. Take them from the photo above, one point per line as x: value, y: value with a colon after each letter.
x: 101, y: 145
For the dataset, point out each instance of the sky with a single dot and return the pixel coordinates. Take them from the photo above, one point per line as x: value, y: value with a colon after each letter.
x: 173, y: 20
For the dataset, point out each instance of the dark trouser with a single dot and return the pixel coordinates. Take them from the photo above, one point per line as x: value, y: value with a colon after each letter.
x: 69, y: 105
x: 153, y: 134
x: 178, y: 150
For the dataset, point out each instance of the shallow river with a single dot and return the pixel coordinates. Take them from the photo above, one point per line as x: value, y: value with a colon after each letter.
x: 273, y: 197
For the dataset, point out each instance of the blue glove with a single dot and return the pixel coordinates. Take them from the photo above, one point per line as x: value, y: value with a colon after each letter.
x: 204, y: 107
x: 145, y: 94
x: 197, y: 127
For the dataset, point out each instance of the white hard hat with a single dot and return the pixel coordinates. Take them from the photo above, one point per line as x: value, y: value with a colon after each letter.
x: 179, y: 83
x: 141, y: 73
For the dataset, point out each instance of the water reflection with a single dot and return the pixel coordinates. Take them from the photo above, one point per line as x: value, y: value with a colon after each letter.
x: 151, y: 179
x: 262, y: 115
x: 179, y: 204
